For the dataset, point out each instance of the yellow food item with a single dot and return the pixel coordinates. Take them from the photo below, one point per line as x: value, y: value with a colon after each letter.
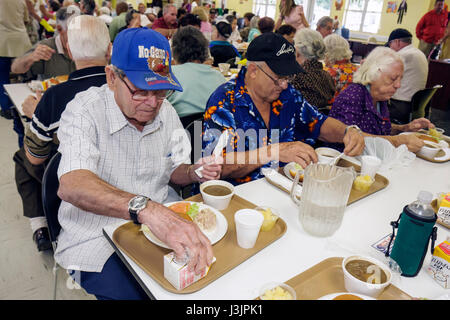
x: 362, y: 183
x: 434, y: 133
x: 277, y: 293
x: 294, y: 170
x: 269, y: 219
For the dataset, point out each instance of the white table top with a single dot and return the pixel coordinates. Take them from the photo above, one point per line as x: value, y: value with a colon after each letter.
x: 365, y: 222
x: 18, y: 92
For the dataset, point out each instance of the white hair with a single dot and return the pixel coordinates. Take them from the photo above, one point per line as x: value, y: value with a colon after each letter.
x: 254, y: 22
x: 63, y: 15
x: 309, y: 44
x: 337, y: 48
x: 88, y: 38
x: 378, y: 61
x: 105, y: 10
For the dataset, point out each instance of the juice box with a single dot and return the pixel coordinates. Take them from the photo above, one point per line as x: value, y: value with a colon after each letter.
x: 444, y: 208
x: 439, y: 267
x: 179, y: 275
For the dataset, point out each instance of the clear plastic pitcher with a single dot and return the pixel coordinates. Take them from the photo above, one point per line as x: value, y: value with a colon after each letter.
x: 324, y: 196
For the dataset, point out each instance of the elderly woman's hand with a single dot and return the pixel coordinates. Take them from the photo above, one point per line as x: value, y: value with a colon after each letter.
x: 412, y: 142
x: 354, y: 143
x: 417, y: 124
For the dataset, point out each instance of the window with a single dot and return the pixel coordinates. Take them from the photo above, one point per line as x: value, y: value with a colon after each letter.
x: 320, y: 9
x: 363, y: 15
x: 265, y: 8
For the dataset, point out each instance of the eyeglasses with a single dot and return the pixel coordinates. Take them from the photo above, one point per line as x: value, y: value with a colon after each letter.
x: 277, y: 82
x: 141, y: 95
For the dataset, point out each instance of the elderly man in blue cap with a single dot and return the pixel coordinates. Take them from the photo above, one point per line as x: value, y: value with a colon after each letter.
x: 121, y: 145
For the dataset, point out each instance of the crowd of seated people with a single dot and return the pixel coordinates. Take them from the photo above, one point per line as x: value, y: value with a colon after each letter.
x: 163, y: 67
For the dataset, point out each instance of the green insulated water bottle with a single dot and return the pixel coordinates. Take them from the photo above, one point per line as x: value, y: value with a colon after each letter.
x: 415, y: 228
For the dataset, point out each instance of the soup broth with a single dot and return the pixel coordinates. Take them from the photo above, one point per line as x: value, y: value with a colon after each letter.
x: 358, y: 269
x: 217, y: 190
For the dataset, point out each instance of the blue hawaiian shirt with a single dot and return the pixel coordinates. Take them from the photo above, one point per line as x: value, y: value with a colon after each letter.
x: 231, y: 108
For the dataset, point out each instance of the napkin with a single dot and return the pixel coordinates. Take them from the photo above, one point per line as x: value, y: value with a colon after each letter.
x: 275, y: 177
x: 389, y: 155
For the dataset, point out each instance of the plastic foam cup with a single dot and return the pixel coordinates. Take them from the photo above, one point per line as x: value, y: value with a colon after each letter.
x: 370, y: 166
x: 248, y: 223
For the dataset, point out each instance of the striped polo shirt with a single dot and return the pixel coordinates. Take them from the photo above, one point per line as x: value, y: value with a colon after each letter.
x: 40, y: 138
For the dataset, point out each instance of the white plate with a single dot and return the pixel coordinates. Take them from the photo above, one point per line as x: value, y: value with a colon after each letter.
x: 288, y: 167
x: 215, y: 236
x: 334, y: 295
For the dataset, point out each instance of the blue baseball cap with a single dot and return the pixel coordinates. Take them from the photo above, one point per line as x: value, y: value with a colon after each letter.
x: 145, y: 57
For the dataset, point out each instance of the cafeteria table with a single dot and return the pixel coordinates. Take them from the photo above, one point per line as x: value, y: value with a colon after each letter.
x: 365, y: 222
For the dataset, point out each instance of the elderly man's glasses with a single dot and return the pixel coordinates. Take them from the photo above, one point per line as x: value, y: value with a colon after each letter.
x: 277, y: 82
x: 141, y: 95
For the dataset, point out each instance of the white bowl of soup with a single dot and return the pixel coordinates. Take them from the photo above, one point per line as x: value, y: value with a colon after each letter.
x: 365, y: 275
x: 217, y: 193
x: 326, y: 155
x: 430, y: 149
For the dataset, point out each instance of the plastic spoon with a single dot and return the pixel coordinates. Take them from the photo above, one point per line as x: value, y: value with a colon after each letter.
x: 222, y: 143
x: 335, y: 161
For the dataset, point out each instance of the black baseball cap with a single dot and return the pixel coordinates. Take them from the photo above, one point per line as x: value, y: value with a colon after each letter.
x: 398, y: 34
x: 276, y: 51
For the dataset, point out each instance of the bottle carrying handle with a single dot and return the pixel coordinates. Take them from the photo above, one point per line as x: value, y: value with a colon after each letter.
x: 394, y: 225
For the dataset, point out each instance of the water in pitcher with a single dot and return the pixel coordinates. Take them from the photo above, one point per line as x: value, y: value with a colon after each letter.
x: 324, y: 196
x: 320, y: 220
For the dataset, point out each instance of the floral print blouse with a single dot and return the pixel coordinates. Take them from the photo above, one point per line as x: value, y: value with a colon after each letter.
x: 342, y: 74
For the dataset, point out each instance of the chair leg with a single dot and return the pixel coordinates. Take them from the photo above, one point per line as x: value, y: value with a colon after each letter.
x: 55, y: 271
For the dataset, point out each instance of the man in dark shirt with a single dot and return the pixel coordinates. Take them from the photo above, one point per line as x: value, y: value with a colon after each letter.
x: 167, y: 24
x: 84, y: 33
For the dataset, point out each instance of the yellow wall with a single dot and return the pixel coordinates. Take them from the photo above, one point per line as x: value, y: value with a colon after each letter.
x: 416, y: 9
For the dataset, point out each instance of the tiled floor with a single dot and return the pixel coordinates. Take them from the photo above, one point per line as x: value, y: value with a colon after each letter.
x: 25, y: 273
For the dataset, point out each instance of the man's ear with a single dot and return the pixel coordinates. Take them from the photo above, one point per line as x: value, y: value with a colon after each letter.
x: 251, y: 70
x: 110, y: 76
x: 68, y: 51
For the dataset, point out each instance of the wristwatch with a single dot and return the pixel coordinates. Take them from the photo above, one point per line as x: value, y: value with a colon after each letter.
x: 353, y: 126
x: 135, y: 205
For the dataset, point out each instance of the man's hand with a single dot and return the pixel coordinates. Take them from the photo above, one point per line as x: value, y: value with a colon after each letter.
x: 417, y: 124
x: 42, y: 52
x: 296, y: 151
x: 30, y: 103
x: 184, y: 237
x: 353, y: 142
x: 212, y: 168
x: 413, y: 142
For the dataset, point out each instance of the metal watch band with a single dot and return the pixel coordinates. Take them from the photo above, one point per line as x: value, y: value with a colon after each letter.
x: 354, y: 126
x: 134, y: 212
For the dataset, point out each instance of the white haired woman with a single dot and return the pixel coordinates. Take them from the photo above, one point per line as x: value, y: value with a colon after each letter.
x: 316, y: 85
x: 337, y: 62
x: 254, y: 31
x: 364, y: 102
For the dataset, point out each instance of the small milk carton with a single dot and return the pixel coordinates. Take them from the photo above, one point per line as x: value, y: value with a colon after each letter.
x: 444, y: 209
x: 439, y: 267
x: 179, y: 275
